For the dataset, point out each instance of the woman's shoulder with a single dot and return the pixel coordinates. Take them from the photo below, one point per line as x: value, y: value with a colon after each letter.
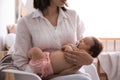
x: 29, y: 18
x: 71, y: 12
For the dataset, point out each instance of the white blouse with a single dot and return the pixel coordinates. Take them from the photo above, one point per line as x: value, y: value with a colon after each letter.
x: 34, y: 30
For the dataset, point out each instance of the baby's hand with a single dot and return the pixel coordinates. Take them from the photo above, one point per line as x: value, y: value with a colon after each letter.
x: 67, y: 48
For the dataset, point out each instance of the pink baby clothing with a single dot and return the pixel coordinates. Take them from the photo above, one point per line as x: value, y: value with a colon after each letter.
x: 42, y: 66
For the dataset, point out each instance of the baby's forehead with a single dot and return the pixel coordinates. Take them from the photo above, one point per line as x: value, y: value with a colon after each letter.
x: 87, y: 38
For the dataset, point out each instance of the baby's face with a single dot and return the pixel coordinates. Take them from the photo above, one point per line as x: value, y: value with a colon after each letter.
x: 86, y: 43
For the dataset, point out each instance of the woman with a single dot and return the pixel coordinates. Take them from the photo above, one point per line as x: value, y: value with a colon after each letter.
x: 50, y: 27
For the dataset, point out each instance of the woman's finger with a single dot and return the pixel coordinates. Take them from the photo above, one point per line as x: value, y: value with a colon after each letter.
x: 78, y: 57
x: 70, y: 58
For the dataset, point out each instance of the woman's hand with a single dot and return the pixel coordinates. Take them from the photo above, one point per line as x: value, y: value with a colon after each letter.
x: 78, y: 58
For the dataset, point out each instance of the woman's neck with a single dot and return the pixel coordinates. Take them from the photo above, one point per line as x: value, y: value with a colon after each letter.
x: 50, y: 11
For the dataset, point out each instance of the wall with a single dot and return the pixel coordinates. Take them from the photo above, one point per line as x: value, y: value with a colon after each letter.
x: 101, y: 17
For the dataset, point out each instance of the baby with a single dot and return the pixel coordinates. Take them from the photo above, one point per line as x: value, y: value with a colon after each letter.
x: 47, y: 63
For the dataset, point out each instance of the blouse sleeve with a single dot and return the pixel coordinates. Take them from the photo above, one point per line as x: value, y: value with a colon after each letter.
x: 80, y: 28
x: 22, y: 45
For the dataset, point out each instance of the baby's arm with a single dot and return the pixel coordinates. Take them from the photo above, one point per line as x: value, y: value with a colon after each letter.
x: 70, y: 47
x: 35, y: 53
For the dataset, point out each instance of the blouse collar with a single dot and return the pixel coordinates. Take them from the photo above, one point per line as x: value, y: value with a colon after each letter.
x: 37, y: 13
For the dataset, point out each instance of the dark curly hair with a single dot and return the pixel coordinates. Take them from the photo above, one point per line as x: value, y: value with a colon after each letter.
x: 96, y: 48
x: 43, y: 4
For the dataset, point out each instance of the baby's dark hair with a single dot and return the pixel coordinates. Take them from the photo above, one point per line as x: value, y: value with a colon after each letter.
x: 43, y: 4
x: 96, y: 48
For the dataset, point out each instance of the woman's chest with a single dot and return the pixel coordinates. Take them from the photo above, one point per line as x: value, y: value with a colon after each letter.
x: 46, y: 36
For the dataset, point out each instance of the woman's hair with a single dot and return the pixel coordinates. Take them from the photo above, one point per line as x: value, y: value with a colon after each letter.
x: 43, y: 4
x: 96, y: 48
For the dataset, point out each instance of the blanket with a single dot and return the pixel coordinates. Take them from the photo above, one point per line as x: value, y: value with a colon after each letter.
x: 6, y: 63
x: 110, y: 63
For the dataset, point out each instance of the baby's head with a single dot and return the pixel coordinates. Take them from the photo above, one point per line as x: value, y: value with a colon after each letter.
x: 92, y: 45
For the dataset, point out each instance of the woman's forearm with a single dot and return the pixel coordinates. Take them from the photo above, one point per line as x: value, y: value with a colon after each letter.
x: 51, y: 76
x: 68, y: 71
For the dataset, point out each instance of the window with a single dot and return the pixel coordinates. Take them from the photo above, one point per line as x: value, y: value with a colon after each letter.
x: 7, y: 14
x: 101, y: 17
